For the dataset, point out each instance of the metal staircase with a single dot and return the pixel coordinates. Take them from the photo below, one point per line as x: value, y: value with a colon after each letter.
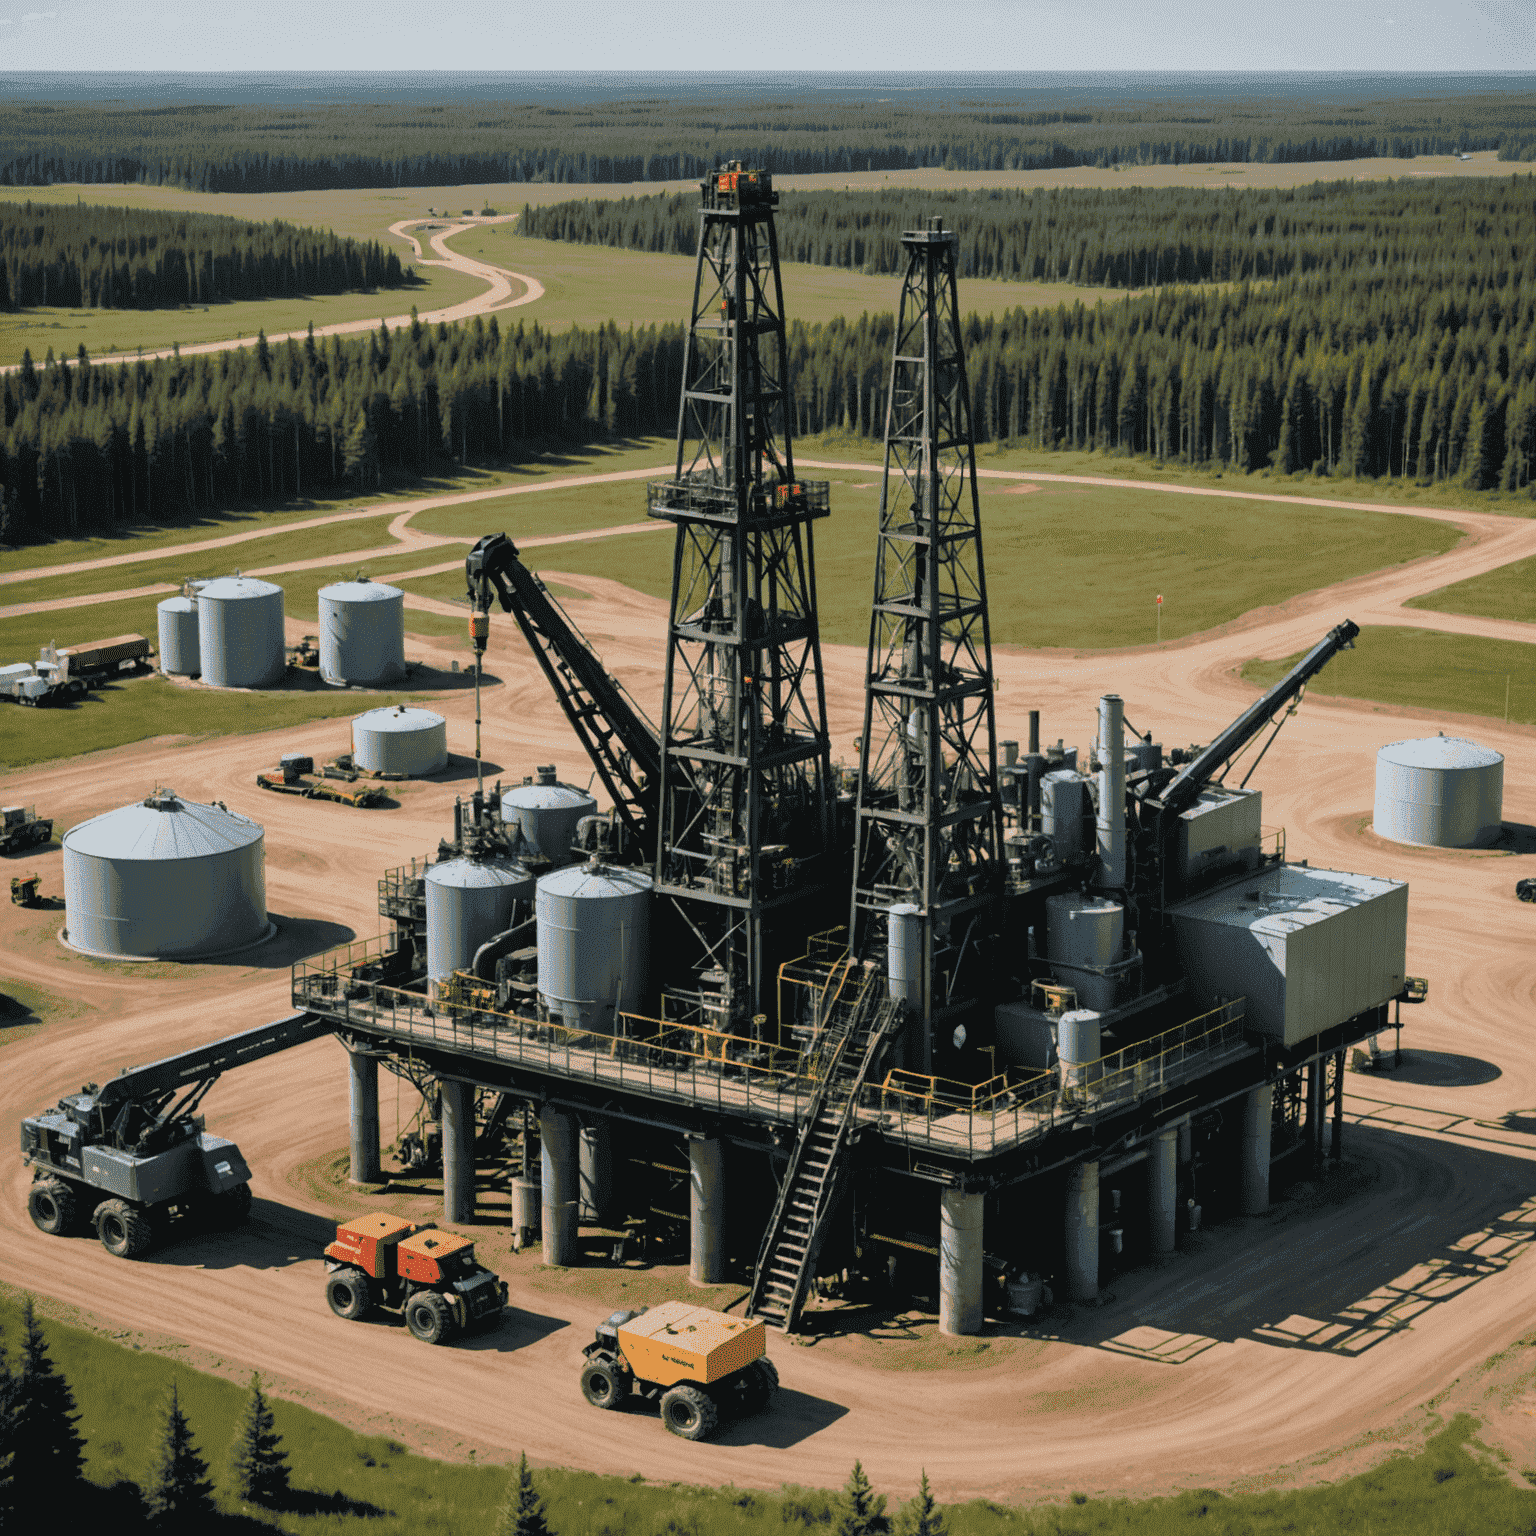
x: 858, y: 1019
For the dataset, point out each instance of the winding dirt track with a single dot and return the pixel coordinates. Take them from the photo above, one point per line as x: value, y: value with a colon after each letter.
x: 1277, y: 1341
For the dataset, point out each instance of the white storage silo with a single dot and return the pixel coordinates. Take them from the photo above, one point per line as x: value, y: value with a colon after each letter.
x: 548, y: 812
x: 1442, y: 792
x: 362, y: 633
x: 240, y: 632
x: 165, y: 879
x: 1084, y: 942
x: 593, y: 937
x: 469, y: 901
x: 177, y: 626
x: 403, y: 740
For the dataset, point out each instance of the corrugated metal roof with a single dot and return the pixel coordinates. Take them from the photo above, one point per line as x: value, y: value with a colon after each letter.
x: 1439, y: 752
x: 167, y: 829
x: 1290, y: 896
x: 545, y: 797
x: 176, y: 605
x: 594, y: 880
x: 232, y: 588
x: 402, y: 718
x: 361, y: 592
x: 475, y: 874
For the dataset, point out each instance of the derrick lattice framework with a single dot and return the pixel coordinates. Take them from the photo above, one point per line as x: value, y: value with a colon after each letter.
x: 746, y: 783
x: 929, y: 814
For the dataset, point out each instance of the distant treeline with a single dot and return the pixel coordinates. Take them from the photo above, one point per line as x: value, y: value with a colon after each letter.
x: 1130, y: 237
x: 267, y: 149
x: 87, y: 257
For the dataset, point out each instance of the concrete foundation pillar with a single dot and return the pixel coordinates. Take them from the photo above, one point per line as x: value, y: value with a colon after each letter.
x: 1083, y: 1232
x: 558, y: 1185
x: 1337, y: 1150
x: 364, y: 1076
x: 1163, y: 1189
x: 458, y: 1128
x: 706, y: 1211
x: 1254, y: 1198
x: 595, y: 1160
x: 960, y: 1276
x: 1186, y: 1143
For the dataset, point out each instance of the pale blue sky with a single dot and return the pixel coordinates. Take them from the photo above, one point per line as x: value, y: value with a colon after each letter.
x: 1437, y: 35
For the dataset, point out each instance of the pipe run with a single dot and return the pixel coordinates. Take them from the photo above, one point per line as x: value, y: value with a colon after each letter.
x: 1111, y: 817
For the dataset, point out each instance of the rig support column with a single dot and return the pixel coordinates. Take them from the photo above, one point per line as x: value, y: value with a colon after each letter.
x: 458, y: 1128
x: 1255, y: 1169
x: 1338, y: 1107
x: 1163, y: 1189
x: 557, y: 1155
x: 960, y: 1275
x: 706, y: 1211
x: 595, y: 1157
x: 364, y: 1076
x: 1083, y: 1232
x: 1317, y: 1107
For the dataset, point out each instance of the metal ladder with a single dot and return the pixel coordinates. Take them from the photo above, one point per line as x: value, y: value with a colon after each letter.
x: 858, y: 1016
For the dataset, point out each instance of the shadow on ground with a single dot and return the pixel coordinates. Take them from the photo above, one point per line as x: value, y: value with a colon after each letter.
x: 296, y: 939
x: 1442, y: 1069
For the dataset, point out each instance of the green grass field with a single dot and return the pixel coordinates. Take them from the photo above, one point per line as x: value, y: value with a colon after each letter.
x: 575, y: 510
x: 1506, y: 593
x: 1424, y: 669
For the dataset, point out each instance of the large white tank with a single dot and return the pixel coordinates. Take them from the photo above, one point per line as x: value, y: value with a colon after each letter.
x: 404, y: 739
x: 362, y: 633
x: 547, y: 811
x: 240, y: 632
x: 177, y: 623
x: 165, y: 879
x: 469, y: 901
x: 593, y: 943
x: 1442, y: 792
x: 1084, y: 937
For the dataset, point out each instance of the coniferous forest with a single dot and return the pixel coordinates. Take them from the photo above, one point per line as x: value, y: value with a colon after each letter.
x: 90, y: 257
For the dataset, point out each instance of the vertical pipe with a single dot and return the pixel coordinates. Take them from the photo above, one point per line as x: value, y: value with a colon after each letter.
x: 1163, y: 1189
x: 1257, y: 1109
x: 1338, y: 1107
x: 595, y: 1159
x: 1082, y: 1232
x: 1317, y: 1109
x: 1034, y: 731
x: 706, y: 1211
x: 1111, y: 819
x: 364, y: 1081
x: 904, y: 970
x: 960, y: 1272
x: 458, y: 1129
x: 557, y: 1158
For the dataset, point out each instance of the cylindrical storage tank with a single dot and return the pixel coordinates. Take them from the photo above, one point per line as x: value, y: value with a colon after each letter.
x: 404, y: 740
x: 1079, y: 1048
x: 240, y: 632
x: 1442, y: 792
x: 593, y: 940
x: 362, y: 633
x: 165, y: 879
x: 547, y: 811
x: 1083, y: 930
x: 469, y: 901
x: 178, y: 637
x: 1063, y: 803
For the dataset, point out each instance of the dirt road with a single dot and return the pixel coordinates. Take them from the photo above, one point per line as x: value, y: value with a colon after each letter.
x: 1274, y: 1341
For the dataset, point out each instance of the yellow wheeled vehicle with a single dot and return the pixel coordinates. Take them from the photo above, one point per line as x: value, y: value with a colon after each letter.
x: 703, y: 1365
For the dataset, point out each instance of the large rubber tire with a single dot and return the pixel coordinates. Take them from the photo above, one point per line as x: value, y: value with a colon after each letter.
x: 52, y: 1206
x: 124, y: 1230
x: 604, y: 1386
x: 428, y: 1317
x: 349, y: 1293
x: 689, y: 1412
x: 762, y: 1383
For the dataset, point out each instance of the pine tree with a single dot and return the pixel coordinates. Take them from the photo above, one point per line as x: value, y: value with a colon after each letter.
x: 46, y: 1447
x: 523, y: 1512
x: 9, y: 1421
x: 920, y: 1516
x: 863, y: 1508
x: 257, y: 1459
x: 181, y: 1497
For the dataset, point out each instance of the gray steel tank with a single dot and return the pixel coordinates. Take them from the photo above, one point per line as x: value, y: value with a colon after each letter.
x: 1063, y: 811
x: 165, y: 879
x: 404, y: 740
x: 593, y: 926
x: 469, y: 901
x: 362, y: 633
x: 1440, y: 792
x: 177, y: 623
x: 240, y: 632
x: 548, y: 812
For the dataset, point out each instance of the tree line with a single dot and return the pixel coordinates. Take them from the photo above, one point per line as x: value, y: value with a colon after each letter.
x: 84, y: 256
x: 228, y: 148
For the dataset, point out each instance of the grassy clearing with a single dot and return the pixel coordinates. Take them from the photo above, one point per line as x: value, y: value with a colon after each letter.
x: 575, y: 510
x: 347, y: 1481
x: 22, y: 634
x: 1424, y: 669
x: 1506, y: 593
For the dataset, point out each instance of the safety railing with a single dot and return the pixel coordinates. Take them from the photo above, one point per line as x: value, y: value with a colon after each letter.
x: 1272, y: 845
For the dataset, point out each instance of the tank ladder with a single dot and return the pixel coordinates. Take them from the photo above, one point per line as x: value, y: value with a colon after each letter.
x: 858, y: 1019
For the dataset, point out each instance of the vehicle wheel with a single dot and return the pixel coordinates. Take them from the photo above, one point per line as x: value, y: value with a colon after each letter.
x: 51, y: 1205
x: 427, y: 1316
x: 770, y: 1374
x: 124, y: 1230
x: 602, y: 1385
x: 349, y: 1294
x: 764, y: 1382
x: 689, y: 1412
x: 231, y: 1209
